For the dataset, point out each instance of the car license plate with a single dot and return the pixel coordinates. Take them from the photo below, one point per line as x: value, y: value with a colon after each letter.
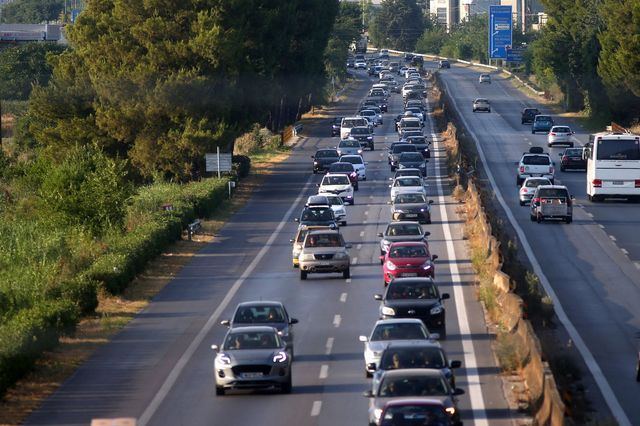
x: 409, y: 274
x: 617, y: 182
x: 251, y: 375
x: 411, y: 215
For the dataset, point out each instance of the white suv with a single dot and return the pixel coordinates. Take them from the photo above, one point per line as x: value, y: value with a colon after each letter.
x: 535, y: 163
x: 348, y: 123
x: 337, y: 184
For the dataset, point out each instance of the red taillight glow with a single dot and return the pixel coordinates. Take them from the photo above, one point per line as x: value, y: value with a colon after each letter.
x: 550, y: 169
x: 525, y: 190
x: 521, y: 169
x: 552, y: 133
x: 536, y: 200
x: 637, y: 183
x: 597, y: 183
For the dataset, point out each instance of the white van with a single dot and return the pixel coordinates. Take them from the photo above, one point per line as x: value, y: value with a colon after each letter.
x: 613, y: 166
x: 348, y: 123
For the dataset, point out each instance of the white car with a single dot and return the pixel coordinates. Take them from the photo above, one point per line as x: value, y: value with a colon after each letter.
x: 360, y: 64
x: 348, y: 122
x: 525, y: 194
x: 562, y: 135
x: 407, y: 184
x: 337, y: 184
x: 337, y: 205
x: 359, y: 164
x: 386, y: 331
x: 371, y: 115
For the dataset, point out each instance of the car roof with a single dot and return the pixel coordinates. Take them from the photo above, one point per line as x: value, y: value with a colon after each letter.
x: 398, y: 321
x: 414, y: 343
x: 252, y: 329
x: 422, y: 372
x: 553, y: 187
x: 409, y: 243
x: 413, y: 401
x: 323, y: 231
x: 260, y: 303
x: 349, y: 156
x: 332, y: 175
x: 404, y: 222
x: 413, y: 279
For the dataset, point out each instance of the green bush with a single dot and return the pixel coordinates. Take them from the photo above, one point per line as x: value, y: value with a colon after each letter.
x: 80, y: 290
x: 241, y: 165
x: 29, y: 333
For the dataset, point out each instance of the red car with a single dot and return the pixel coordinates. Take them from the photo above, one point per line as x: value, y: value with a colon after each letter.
x: 407, y: 259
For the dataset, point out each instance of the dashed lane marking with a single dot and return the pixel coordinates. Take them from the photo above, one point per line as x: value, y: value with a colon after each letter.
x: 329, y: 346
x: 315, y: 408
x: 324, y: 371
x: 337, y: 319
x: 343, y: 297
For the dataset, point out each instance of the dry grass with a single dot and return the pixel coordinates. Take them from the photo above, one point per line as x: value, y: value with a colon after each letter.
x: 113, y: 313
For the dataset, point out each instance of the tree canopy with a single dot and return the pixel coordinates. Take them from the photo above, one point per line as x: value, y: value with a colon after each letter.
x: 31, y: 11
x: 397, y: 25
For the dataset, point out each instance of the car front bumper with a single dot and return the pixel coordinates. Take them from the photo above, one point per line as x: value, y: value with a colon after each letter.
x: 254, y: 376
x: 324, y: 266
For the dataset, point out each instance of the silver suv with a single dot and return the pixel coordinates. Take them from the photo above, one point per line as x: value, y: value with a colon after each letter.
x: 324, y: 252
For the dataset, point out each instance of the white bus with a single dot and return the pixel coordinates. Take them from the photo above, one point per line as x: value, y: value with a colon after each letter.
x: 613, y: 166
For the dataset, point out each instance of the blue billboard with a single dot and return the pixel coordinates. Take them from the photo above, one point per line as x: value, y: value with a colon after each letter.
x: 500, y: 31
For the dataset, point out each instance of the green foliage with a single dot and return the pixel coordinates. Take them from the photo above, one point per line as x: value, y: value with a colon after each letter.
x: 31, y: 11
x: 432, y: 41
x: 241, y: 165
x: 346, y: 29
x: 25, y: 65
x: 397, y: 25
x: 468, y: 40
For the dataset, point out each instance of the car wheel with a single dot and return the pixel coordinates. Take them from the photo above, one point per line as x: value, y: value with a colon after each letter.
x: 552, y: 181
x: 219, y: 391
x: 522, y: 122
x: 568, y: 219
x: 533, y: 132
x: 489, y: 111
x: 368, y: 374
x: 550, y: 145
x: 372, y: 148
x: 518, y: 181
x: 344, y: 223
x: 346, y: 273
x: 353, y: 201
x: 562, y: 169
x: 474, y: 110
x: 539, y: 218
x: 532, y: 217
x: 442, y: 332
x: 286, y: 387
x: 521, y: 203
x: 295, y: 266
x: 303, y: 274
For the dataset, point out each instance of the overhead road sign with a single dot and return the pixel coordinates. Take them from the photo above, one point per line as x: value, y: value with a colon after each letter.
x: 500, y: 31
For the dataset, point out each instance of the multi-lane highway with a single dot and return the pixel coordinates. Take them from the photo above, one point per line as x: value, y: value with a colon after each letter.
x: 591, y: 267
x: 159, y: 368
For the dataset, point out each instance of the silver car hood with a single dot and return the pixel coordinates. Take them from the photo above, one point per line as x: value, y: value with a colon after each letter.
x: 252, y: 356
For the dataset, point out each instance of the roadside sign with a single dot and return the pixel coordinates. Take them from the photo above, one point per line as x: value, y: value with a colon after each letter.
x: 514, y: 55
x: 500, y: 31
x: 218, y: 162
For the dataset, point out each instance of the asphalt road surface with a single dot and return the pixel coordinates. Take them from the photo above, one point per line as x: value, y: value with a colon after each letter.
x: 159, y: 368
x: 591, y: 268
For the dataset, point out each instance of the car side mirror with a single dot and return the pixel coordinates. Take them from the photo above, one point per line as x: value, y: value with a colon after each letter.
x: 313, y: 156
x: 458, y: 391
x: 380, y: 234
x: 363, y: 339
x: 296, y: 219
x: 366, y: 162
x: 348, y: 246
x: 455, y: 364
x: 434, y: 336
x: 434, y: 257
x: 390, y: 186
x: 293, y: 321
x: 368, y: 394
x: 225, y: 322
x: 560, y: 154
x: 444, y: 296
x: 427, y: 233
x: 377, y: 296
x: 430, y: 201
x: 214, y: 347
x: 381, y: 258
x: 516, y: 163
x: 318, y: 185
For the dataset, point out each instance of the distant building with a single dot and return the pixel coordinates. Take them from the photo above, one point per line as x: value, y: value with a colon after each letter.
x: 24, y: 33
x: 527, y: 14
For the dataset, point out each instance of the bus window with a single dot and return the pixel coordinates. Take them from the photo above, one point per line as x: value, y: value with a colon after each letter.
x: 621, y: 149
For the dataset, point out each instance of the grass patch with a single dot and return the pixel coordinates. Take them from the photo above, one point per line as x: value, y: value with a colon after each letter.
x: 509, y: 352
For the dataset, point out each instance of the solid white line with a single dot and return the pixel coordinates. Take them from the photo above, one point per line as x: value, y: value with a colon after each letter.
x: 213, y: 319
x: 324, y: 371
x: 329, y: 346
x: 336, y: 320
x: 348, y: 280
x: 601, y: 226
x: 343, y: 297
x: 592, y: 365
x: 315, y: 409
x: 612, y: 238
x: 470, y: 363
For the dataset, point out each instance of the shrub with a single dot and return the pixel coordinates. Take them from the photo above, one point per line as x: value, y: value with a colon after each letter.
x: 241, y: 165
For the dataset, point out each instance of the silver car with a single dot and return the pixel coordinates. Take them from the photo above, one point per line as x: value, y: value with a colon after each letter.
x: 401, y: 231
x: 252, y: 357
x: 422, y: 382
x: 324, y: 252
x: 386, y: 331
x: 525, y: 194
x: 562, y: 135
x: 349, y: 147
x: 337, y: 205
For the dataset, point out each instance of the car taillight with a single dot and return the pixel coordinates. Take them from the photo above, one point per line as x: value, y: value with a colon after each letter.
x: 637, y: 183
x: 521, y: 169
x: 551, y: 170
x: 552, y: 133
x: 525, y: 190
x: 597, y: 183
x: 536, y: 200
x: 353, y: 174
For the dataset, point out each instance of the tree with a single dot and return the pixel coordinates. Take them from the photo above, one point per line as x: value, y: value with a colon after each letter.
x: 433, y: 38
x: 346, y: 30
x: 31, y: 11
x: 24, y: 65
x: 398, y: 25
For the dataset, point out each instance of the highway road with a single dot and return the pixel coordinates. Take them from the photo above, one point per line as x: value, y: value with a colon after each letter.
x: 591, y: 267
x: 159, y: 368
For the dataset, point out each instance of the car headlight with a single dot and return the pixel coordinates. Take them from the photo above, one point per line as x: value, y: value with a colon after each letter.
x: 388, y: 311
x: 436, y: 310
x: 377, y: 413
x: 422, y: 210
x: 340, y: 256
x: 390, y: 265
x: 224, y: 359
x: 280, y: 357
x: 450, y: 410
x: 315, y: 163
x: 427, y: 265
x: 306, y: 257
x: 359, y: 151
x: 369, y: 137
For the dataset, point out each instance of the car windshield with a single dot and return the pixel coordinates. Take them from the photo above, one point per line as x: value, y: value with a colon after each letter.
x: 408, y: 181
x: 352, y: 122
x: 398, y: 331
x: 422, y: 357
x: 412, y: 157
x: 349, y: 144
x: 621, y: 149
x: 367, y: 113
x: 323, y: 240
x: 408, y: 251
x: 341, y: 168
x: 411, y: 290
x: 252, y: 340
x: 404, y: 229
x: 418, y: 385
x: 576, y: 152
x: 259, y: 314
x: 335, y: 180
x: 416, y: 140
x: 414, y: 414
x: 414, y: 110
x: 534, y: 183
x: 403, y: 148
x: 360, y: 131
x: 335, y: 201
x: 314, y: 215
x: 536, y: 160
x: 543, y: 118
x: 410, y: 123
x: 354, y: 159
x: 326, y: 154
x: 410, y: 199
x: 561, y: 130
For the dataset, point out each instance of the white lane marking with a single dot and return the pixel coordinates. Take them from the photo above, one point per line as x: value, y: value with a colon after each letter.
x: 213, y: 319
x: 601, y: 226
x: 470, y: 363
x: 364, y: 221
x: 366, y: 213
x: 362, y: 233
x: 315, y: 408
x: 337, y: 319
x: 348, y: 280
x: 371, y: 196
x: 329, y: 346
x: 354, y: 260
x: 324, y: 371
x: 592, y: 365
x: 343, y: 297
x: 612, y: 238
x: 625, y: 251
x: 359, y: 246
x: 589, y: 214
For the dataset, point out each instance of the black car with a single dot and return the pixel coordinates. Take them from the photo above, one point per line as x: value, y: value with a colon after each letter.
x: 528, y: 114
x: 444, y: 64
x: 421, y: 143
x: 346, y: 169
x: 571, y: 158
x: 411, y: 206
x: 364, y: 135
x: 413, y: 160
x: 335, y: 126
x: 381, y: 102
x: 323, y: 158
x: 317, y: 216
x: 415, y: 298
x: 408, y: 56
x: 395, y: 151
